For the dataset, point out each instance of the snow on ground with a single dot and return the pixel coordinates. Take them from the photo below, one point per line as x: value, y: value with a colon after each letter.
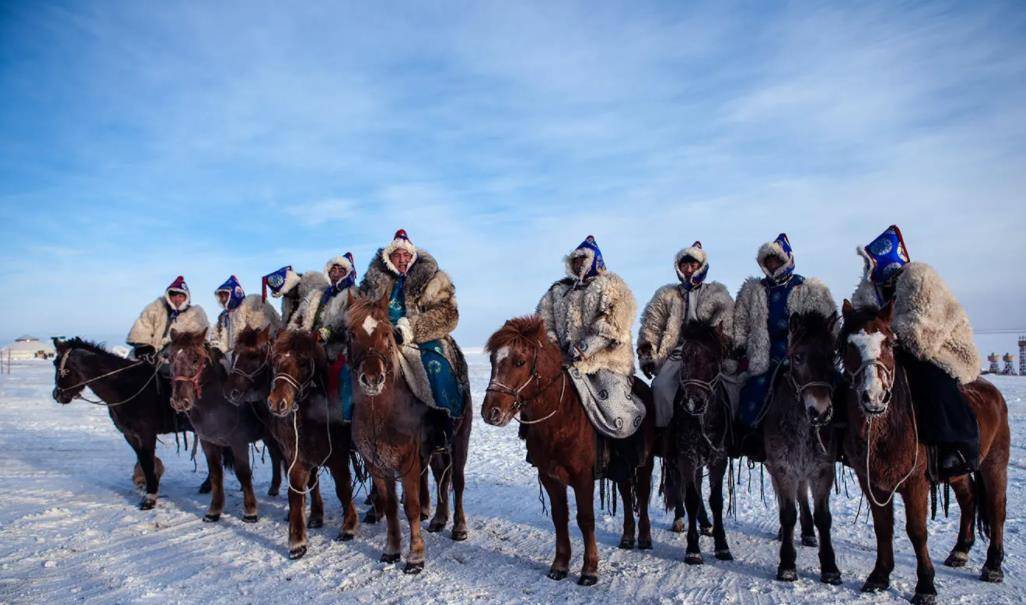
x: 70, y: 531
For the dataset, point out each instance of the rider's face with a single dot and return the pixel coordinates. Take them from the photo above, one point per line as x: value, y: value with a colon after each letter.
x: 222, y: 297
x: 773, y: 263
x: 337, y: 272
x: 177, y: 299
x: 577, y: 265
x: 401, y: 260
x: 688, y: 267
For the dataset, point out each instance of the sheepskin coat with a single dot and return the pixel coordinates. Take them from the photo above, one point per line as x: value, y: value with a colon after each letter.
x: 595, y: 315
x: 928, y: 322
x: 672, y: 307
x: 310, y: 316
x: 252, y: 312
x: 751, y: 316
x: 154, y: 325
x: 293, y: 297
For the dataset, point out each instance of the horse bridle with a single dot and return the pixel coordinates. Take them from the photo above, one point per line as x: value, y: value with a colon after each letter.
x: 372, y: 352
x: 886, y: 377
x: 494, y: 386
x: 299, y: 387
x: 195, y: 379
x: 63, y: 371
x: 708, y: 386
x: 250, y: 376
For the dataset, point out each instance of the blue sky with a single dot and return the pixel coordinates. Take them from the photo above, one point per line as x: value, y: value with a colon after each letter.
x: 141, y: 140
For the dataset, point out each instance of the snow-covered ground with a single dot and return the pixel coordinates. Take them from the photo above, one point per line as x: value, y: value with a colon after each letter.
x: 70, y: 531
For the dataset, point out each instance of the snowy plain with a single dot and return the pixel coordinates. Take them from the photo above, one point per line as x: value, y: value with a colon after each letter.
x: 70, y: 531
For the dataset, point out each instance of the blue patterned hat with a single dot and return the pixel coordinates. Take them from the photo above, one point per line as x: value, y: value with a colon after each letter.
x: 780, y: 248
x: 279, y: 282
x: 885, y: 256
x: 588, y: 248
x: 234, y: 290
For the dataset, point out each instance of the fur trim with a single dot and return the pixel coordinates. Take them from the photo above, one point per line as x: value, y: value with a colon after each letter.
x: 928, y: 321
x: 292, y: 280
x: 404, y: 326
x: 430, y: 295
x: 813, y: 296
x: 252, y: 312
x: 584, y: 253
x: 696, y: 252
x: 306, y: 283
x: 664, y: 316
x: 751, y: 333
x: 774, y: 249
x: 399, y: 242
x: 598, y: 315
x: 152, y: 329
x: 341, y: 261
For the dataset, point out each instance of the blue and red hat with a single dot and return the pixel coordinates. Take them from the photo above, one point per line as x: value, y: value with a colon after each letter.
x: 234, y: 290
x: 885, y: 256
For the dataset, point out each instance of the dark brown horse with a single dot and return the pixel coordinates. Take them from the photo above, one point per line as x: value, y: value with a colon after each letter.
x: 529, y: 380
x: 136, y: 398
x: 197, y: 376
x: 308, y: 425
x: 882, y: 445
x: 800, y: 446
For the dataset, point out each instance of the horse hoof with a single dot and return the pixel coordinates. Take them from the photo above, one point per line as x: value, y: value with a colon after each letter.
x: 678, y: 526
x: 273, y: 492
x: 370, y: 517
x: 459, y: 535
x: 810, y: 541
x: 211, y: 517
x: 587, y: 580
x: 315, y: 523
x: 992, y: 575
x: 387, y: 558
x: 924, y: 599
x: 724, y: 555
x: 297, y: 552
x: 830, y: 577
x: 693, y: 558
x: 957, y: 559
x: 147, y: 503
x: 250, y: 518
x: 787, y: 575
x: 413, y: 568
x: 875, y: 586
x: 644, y: 544
x: 424, y: 516
x: 434, y: 527
x: 627, y: 543
x: 706, y: 530
x: 204, y: 487
x: 344, y: 536
x: 556, y: 574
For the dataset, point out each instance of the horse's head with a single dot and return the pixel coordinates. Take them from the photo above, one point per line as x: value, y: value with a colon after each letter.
x: 867, y: 347
x: 250, y: 365
x: 297, y: 359
x: 702, y: 351
x: 812, y: 358
x: 189, y: 359
x: 373, y: 352
x: 520, y: 352
x: 69, y: 379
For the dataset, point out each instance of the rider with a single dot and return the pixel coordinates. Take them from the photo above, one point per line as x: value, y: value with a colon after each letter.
x: 151, y: 332
x: 761, y: 331
x: 323, y: 311
x: 935, y: 346
x: 422, y: 310
x: 672, y: 307
x: 292, y: 288
x: 229, y: 295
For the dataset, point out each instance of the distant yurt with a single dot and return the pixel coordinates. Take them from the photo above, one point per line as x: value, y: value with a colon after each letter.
x: 29, y: 347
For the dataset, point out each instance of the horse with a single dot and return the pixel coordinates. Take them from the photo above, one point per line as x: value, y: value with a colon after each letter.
x: 197, y: 375
x: 800, y: 446
x: 529, y: 379
x: 698, y: 436
x: 136, y: 398
x: 308, y: 424
x: 882, y: 444
x: 389, y: 430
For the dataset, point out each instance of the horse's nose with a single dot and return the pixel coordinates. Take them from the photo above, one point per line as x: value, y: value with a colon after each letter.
x: 495, y: 416
x: 234, y: 395
x: 865, y: 398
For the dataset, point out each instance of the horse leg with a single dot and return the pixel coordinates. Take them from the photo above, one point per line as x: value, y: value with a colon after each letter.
x: 411, y: 493
x: 316, y: 519
x: 643, y: 491
x: 390, y: 502
x: 916, y: 497
x: 213, y: 454
x: 627, y: 494
x: 679, y: 515
x: 994, y: 476
x: 299, y: 476
x: 821, y: 485
x: 879, y: 579
x: 584, y: 494
x: 786, y: 488
x: 344, y: 491
x: 457, y: 472
x: 717, y: 470
x: 424, y: 491
x: 377, y: 501
x: 441, y: 467
x: 808, y: 524
x: 277, y: 461
x: 705, y: 526
x: 244, y: 474
x: 959, y: 555
x: 145, y: 454
x: 560, y: 520
x: 692, y: 500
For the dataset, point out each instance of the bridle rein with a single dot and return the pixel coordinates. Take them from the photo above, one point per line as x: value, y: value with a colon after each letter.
x: 519, y: 403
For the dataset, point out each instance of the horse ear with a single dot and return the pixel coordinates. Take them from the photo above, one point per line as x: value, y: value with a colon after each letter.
x: 887, y: 313
x: 175, y: 335
x: 794, y: 322
x: 847, y: 310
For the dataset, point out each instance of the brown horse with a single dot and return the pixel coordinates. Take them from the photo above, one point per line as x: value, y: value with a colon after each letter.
x: 528, y: 378
x: 196, y: 378
x: 882, y: 445
x: 136, y: 397
x: 309, y: 427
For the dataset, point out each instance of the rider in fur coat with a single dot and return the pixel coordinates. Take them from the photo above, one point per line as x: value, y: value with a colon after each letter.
x: 761, y: 328
x: 693, y: 299
x: 292, y: 288
x: 323, y: 310
x: 151, y: 332
x: 935, y: 346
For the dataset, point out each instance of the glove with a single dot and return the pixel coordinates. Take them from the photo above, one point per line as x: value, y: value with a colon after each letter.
x: 648, y: 368
x: 145, y: 353
x: 398, y: 336
x: 324, y: 334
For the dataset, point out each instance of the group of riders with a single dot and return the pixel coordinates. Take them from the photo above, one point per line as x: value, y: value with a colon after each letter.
x: 590, y: 315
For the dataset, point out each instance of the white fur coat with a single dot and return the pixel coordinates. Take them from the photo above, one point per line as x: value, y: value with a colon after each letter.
x: 671, y: 306
x: 252, y: 312
x: 308, y: 282
x: 151, y: 328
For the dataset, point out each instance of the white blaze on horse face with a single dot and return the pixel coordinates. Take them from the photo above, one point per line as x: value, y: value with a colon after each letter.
x: 501, y: 354
x: 869, y: 347
x: 369, y: 324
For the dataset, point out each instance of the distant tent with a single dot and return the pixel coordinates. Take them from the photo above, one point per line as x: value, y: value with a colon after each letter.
x: 29, y: 347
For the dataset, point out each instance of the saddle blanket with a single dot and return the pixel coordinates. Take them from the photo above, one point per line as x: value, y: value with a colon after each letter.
x: 608, y: 402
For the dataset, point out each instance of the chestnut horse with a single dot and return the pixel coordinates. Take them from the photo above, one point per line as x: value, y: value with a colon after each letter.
x: 136, y: 397
x: 196, y: 378
x: 882, y: 445
x: 389, y: 430
x: 528, y: 378
x: 309, y: 427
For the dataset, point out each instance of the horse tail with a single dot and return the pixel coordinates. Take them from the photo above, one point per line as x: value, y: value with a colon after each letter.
x: 228, y: 458
x: 979, y: 487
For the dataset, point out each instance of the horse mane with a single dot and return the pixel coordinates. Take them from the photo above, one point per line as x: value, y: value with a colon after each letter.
x: 360, y: 307
x: 300, y: 343
x: 248, y: 336
x: 528, y: 330
x: 854, y: 321
x: 706, y: 333
x: 88, y: 345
